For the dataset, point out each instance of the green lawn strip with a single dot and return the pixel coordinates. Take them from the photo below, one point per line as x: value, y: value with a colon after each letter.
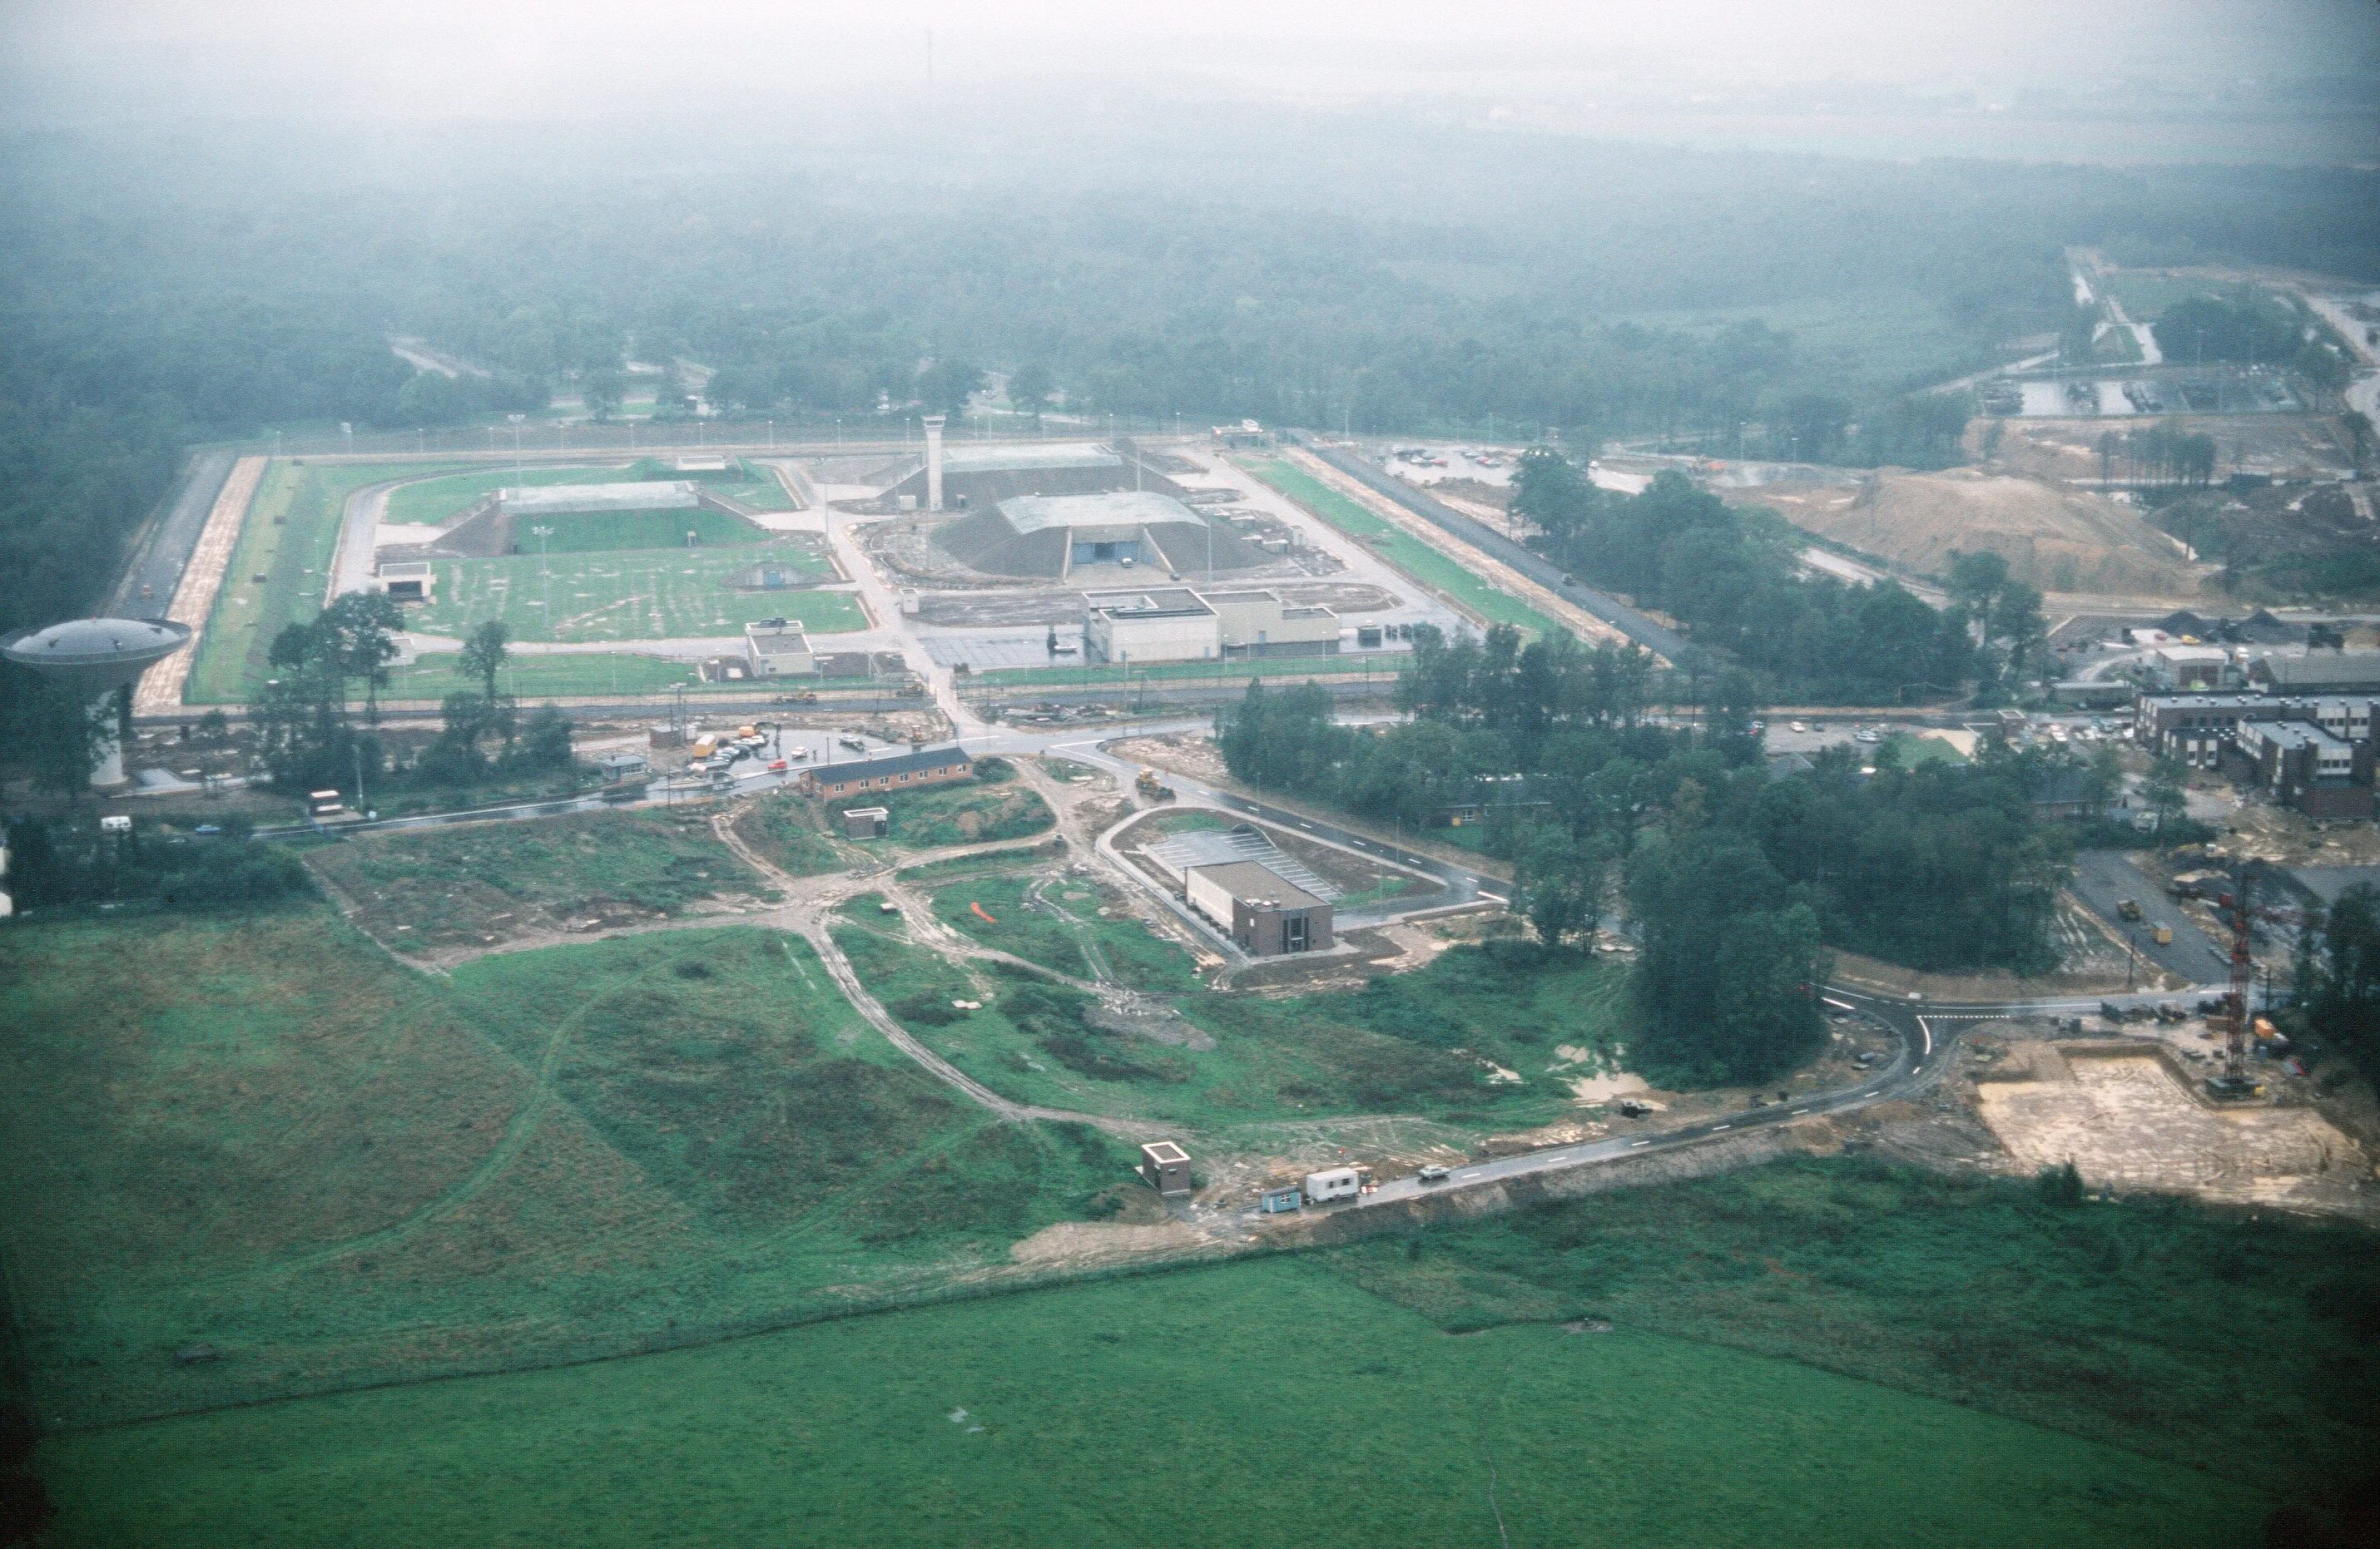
x: 1255, y: 1404
x: 1099, y: 675
x: 436, y: 674
x: 645, y: 594
x: 2118, y: 1321
x: 1423, y: 561
x: 1430, y: 1043
x: 1914, y: 750
x: 598, y: 532
x: 289, y: 537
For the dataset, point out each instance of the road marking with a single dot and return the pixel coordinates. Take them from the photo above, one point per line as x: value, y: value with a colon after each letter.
x: 1717, y: 1127
x: 1801, y: 1110
x: 1634, y: 1143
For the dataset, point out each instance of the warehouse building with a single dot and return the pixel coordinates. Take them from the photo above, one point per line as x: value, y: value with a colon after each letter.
x: 1170, y: 624
x: 2319, y: 673
x: 1257, y: 622
x: 892, y: 771
x: 1265, y: 914
x: 778, y: 648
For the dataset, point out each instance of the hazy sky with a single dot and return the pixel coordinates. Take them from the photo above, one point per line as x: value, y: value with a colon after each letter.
x: 513, y: 58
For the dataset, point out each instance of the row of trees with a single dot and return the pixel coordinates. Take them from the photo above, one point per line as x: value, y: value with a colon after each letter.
x: 1731, y: 577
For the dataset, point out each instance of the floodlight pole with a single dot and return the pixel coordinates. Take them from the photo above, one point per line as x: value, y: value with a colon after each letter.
x: 545, y: 572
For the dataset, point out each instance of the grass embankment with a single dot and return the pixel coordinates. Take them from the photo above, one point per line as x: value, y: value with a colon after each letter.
x: 260, y: 1132
x: 1258, y: 1404
x: 2243, y: 1346
x: 1467, y: 1040
x: 790, y: 831
x: 461, y: 885
x: 289, y: 537
x: 1423, y: 561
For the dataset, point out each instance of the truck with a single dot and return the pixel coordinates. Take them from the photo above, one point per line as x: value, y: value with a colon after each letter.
x: 1334, y: 1183
x: 2162, y: 935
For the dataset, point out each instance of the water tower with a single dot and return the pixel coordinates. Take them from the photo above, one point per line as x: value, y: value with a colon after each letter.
x: 93, y: 657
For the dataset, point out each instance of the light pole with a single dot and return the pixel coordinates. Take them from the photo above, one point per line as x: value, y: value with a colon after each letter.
x: 545, y: 572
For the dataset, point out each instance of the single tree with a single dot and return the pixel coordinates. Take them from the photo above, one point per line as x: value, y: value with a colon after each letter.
x: 1029, y: 387
x: 484, y: 655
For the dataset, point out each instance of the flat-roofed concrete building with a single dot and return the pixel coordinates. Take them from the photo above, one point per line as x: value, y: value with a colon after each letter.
x: 1165, y: 1167
x: 2301, y: 765
x: 778, y: 648
x: 1256, y: 622
x: 1264, y: 914
x: 1165, y: 624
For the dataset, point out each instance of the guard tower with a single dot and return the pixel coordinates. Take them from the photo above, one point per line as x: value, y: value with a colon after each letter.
x: 93, y: 657
x: 933, y: 462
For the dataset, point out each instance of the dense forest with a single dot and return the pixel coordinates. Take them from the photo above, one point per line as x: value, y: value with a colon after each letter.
x: 165, y: 289
x: 1734, y: 878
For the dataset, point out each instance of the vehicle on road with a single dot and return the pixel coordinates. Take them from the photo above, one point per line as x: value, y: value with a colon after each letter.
x: 778, y: 765
x: 2162, y: 935
x: 2128, y: 908
x: 1800, y: 726
x: 1434, y: 1173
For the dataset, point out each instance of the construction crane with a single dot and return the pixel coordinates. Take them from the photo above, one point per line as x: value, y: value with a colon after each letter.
x: 2241, y: 1024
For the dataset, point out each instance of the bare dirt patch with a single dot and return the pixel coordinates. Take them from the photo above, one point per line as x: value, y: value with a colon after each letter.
x: 2056, y: 540
x: 2127, y: 1120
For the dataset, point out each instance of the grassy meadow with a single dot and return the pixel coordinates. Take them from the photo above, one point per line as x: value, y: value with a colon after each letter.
x: 1470, y: 1040
x: 1272, y: 1403
x: 436, y: 888
x: 964, y: 811
x: 260, y: 1132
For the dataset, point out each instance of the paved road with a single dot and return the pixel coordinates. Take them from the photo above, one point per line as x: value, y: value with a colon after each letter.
x: 1639, y: 628
x: 2103, y: 879
x: 163, y: 554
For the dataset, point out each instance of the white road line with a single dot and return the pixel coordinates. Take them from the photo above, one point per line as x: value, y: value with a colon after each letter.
x: 1801, y: 1110
x: 1717, y: 1127
x: 1634, y: 1143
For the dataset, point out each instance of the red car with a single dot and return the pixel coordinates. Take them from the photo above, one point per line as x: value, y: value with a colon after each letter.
x: 778, y: 766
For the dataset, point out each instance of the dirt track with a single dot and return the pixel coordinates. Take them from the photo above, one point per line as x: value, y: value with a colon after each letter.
x: 161, y: 688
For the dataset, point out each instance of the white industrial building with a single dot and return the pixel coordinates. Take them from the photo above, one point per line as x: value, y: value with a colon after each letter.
x: 1163, y: 624
x: 778, y: 648
x: 1257, y: 622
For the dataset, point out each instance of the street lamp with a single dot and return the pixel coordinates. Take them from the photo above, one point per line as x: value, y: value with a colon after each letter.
x: 545, y: 574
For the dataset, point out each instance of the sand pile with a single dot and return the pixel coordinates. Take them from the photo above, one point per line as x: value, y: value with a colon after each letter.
x: 2053, y: 539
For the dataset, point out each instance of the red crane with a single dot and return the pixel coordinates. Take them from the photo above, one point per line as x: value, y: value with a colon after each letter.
x: 2239, y: 1016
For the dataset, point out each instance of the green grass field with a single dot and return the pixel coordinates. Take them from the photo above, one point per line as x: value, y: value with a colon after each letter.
x: 1435, y: 1042
x: 436, y: 888
x: 2213, y: 1340
x: 290, y: 535
x: 1070, y: 924
x: 1258, y: 1404
x: 652, y: 594
x: 602, y: 532
x: 1423, y: 561
x: 259, y: 1132
x: 1914, y: 750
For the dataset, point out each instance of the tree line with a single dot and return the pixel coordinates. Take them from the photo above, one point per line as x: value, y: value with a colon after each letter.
x: 1732, y: 577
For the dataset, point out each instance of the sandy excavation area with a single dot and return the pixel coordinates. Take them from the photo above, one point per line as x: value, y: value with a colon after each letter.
x: 2059, y: 540
x: 2127, y: 1122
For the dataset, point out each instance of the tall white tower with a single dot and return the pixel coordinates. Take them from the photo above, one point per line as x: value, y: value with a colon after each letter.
x: 933, y: 462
